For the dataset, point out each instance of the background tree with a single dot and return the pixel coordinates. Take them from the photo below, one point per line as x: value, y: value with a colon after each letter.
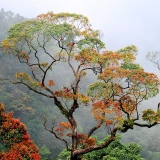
x: 154, y: 57
x: 7, y: 19
x: 52, y: 39
x: 15, y: 138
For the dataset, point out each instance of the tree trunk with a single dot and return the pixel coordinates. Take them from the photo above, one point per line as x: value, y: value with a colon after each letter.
x: 76, y: 157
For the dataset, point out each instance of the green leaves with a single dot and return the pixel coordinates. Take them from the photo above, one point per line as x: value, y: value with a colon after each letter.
x: 91, y: 42
x: 128, y: 49
x: 151, y: 116
x: 99, y: 89
x: 115, y: 151
x: 130, y: 66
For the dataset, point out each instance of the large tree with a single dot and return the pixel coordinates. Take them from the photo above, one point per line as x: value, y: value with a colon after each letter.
x: 52, y: 43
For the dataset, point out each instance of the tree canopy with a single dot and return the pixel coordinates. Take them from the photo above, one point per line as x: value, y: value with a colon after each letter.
x: 50, y: 40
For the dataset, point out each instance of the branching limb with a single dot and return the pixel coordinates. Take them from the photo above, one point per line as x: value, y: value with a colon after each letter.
x: 146, y: 125
x: 29, y: 87
x: 97, y: 147
x: 52, y: 131
x: 95, y: 128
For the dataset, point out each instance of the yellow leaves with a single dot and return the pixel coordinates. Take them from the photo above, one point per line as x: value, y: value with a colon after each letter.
x: 63, y: 17
x: 68, y: 95
x: 22, y: 75
x: 26, y: 79
x: 109, y: 55
x: 109, y: 122
x: 51, y: 83
x: 151, y: 116
x: 45, y: 64
x: 114, y: 72
x: 65, y: 93
x: 129, y: 57
x: 23, y: 55
x: 88, y: 56
x: 8, y: 44
x: 83, y: 98
x: 119, y: 120
x: 1, y: 108
x: 83, y: 73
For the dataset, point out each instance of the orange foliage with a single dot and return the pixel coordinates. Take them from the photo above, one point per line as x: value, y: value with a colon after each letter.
x: 23, y: 55
x: 16, y: 139
x: 63, y: 128
x: 102, y: 109
x: 85, y: 141
x: 51, y: 83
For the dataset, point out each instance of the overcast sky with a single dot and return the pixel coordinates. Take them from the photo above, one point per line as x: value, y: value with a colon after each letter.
x: 123, y: 22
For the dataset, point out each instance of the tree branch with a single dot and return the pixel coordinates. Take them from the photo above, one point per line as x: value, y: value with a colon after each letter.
x: 52, y: 131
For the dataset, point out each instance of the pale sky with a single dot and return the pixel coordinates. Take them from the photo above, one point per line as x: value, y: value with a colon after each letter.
x: 123, y: 22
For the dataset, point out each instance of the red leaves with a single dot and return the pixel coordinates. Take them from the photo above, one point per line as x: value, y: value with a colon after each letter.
x: 109, y: 122
x: 63, y: 128
x: 26, y: 136
x: 103, y: 109
x: 65, y: 125
x: 16, y: 139
x: 51, y: 83
x: 20, y: 151
x: 85, y: 141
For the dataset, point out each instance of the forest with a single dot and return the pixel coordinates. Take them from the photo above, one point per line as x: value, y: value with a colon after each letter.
x: 64, y: 96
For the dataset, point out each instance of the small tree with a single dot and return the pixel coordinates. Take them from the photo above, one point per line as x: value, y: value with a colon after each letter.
x: 15, y: 139
x: 154, y: 57
x: 51, y: 40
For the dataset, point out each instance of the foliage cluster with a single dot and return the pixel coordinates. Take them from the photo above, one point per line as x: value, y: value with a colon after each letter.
x: 15, y: 138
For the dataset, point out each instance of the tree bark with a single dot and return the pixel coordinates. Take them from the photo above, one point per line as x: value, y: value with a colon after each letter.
x: 76, y: 157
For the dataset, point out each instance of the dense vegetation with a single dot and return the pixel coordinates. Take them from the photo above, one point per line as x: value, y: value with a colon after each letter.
x: 115, y: 151
x: 15, y: 138
x: 33, y: 109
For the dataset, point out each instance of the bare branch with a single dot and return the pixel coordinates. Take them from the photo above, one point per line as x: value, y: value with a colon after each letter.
x: 95, y: 128
x: 52, y: 131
